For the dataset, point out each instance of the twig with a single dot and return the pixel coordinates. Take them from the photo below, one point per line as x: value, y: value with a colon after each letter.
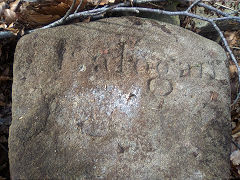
x: 230, y: 53
x: 98, y: 3
x: 58, y: 22
x: 93, y: 12
x: 192, y: 5
x: 6, y: 34
x: 225, y: 7
x: 215, y: 10
x: 78, y: 7
x: 235, y: 18
x: 238, y: 48
x: 236, y: 144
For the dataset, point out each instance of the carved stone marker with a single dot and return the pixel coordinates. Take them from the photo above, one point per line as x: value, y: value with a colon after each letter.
x: 119, y: 98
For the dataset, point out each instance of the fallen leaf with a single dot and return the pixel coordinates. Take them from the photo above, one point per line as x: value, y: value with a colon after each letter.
x: 235, y: 157
x: 38, y: 14
x: 9, y: 15
x: 2, y: 7
x: 14, y: 5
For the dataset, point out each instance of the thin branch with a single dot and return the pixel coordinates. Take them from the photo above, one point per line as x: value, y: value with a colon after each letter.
x: 58, y: 22
x: 215, y: 10
x: 192, y: 5
x: 236, y: 144
x: 238, y: 48
x: 98, y: 3
x: 225, y: 7
x: 95, y: 12
x: 158, y: 11
x: 6, y: 34
x: 235, y: 18
x: 230, y: 53
x: 78, y: 7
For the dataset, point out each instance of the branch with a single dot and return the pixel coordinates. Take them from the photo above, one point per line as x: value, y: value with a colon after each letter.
x: 6, y: 34
x: 192, y: 5
x: 78, y: 7
x: 58, y: 22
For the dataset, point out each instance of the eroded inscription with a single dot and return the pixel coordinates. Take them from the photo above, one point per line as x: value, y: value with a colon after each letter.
x: 160, y: 72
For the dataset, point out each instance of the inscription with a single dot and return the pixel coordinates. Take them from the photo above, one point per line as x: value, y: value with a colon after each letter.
x: 125, y: 58
x: 160, y: 72
x: 162, y: 68
x: 160, y: 87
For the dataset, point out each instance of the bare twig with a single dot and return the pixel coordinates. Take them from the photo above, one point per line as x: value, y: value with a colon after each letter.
x: 58, y: 22
x: 235, y: 18
x: 98, y: 3
x: 192, y: 5
x: 216, y: 10
x: 6, y: 34
x: 230, y: 53
x: 236, y: 144
x: 78, y: 7
x: 225, y: 7
x: 238, y: 48
x: 93, y: 12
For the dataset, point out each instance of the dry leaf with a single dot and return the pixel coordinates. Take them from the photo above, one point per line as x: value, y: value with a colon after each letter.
x: 3, y: 26
x: 2, y: 7
x: 236, y: 129
x: 10, y: 16
x: 236, y: 135
x: 14, y: 5
x: 38, y: 14
x: 235, y: 157
x: 231, y: 37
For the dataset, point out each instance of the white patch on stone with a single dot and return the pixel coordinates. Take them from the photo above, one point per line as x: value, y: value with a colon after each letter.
x: 93, y: 108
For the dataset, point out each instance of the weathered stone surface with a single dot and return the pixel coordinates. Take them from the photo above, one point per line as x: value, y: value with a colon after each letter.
x: 119, y: 98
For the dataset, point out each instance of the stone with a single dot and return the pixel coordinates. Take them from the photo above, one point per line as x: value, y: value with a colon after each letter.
x: 120, y: 98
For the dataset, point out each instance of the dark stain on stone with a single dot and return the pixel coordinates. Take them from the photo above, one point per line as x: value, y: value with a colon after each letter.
x: 135, y: 21
x: 165, y: 29
x: 131, y: 95
x: 120, y: 149
x: 29, y: 60
x: 154, y: 23
x: 60, y: 51
x: 224, y: 82
x: 138, y: 22
x: 96, y: 68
